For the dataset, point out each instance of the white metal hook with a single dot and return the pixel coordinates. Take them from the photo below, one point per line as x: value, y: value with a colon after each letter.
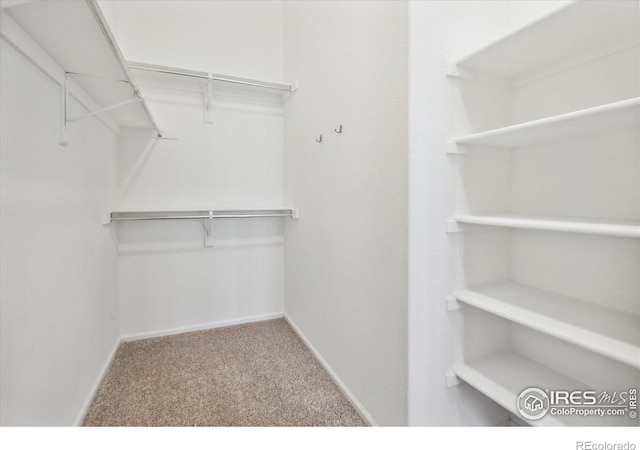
x: 339, y: 130
x: 319, y: 140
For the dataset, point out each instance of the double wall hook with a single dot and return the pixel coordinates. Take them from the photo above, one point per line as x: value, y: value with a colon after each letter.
x: 337, y: 130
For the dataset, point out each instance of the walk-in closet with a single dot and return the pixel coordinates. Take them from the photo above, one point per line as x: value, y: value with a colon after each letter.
x: 320, y: 213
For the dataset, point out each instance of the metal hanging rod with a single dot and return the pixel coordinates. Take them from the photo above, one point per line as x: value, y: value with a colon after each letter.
x: 200, y: 214
x: 206, y: 216
x: 210, y: 76
x: 214, y: 216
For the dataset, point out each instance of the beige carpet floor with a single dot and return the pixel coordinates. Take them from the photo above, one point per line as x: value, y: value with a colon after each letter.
x: 258, y: 374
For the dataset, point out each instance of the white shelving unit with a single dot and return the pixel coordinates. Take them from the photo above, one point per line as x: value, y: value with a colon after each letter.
x: 620, y: 229
x: 86, y: 53
x: 537, y: 300
x: 607, y: 331
x: 502, y: 377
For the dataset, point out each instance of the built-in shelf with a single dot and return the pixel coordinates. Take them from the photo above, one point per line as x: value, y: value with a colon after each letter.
x: 565, y: 45
x: 608, y: 118
x: 609, y: 332
x: 87, y: 52
x: 503, y: 377
x: 203, y: 213
x: 575, y: 28
x: 611, y: 228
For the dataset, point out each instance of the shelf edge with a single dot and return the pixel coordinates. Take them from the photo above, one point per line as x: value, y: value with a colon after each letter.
x: 540, y: 123
x: 599, y: 229
x: 554, y: 327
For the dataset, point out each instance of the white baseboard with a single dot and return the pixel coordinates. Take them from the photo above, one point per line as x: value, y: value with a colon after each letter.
x: 343, y: 387
x: 96, y: 385
x: 203, y: 326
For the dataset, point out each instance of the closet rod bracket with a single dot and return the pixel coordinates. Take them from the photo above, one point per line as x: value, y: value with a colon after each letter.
x: 208, y: 230
x: 208, y: 100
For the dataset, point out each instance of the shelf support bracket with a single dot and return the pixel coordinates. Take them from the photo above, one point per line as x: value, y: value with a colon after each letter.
x: 65, y: 120
x: 464, y: 74
x: 453, y: 226
x: 455, y: 71
x: 208, y: 100
x: 453, y: 148
x: 105, y: 109
x: 208, y: 230
x: 453, y: 304
x: 451, y: 379
x: 64, y: 123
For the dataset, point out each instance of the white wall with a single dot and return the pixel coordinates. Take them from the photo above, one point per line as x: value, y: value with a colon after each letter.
x: 346, y: 258
x: 230, y: 37
x: 522, y: 12
x: 168, y: 281
x: 58, y: 263
x: 438, y: 33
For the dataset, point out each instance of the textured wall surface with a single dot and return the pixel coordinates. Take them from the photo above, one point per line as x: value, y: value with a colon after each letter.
x: 346, y: 258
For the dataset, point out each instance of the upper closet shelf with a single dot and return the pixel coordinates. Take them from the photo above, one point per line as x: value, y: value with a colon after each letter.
x: 249, y: 82
x: 562, y: 34
x: 609, y: 332
x: 619, y: 229
x: 76, y: 36
x: 617, y: 116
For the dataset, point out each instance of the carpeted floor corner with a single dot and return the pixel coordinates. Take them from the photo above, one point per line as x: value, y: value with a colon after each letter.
x: 258, y: 374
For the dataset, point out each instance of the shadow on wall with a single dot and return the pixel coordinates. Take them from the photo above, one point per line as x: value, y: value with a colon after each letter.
x: 135, y: 148
x: 139, y: 237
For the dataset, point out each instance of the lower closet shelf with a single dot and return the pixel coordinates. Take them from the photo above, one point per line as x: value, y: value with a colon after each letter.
x: 503, y: 377
x: 612, y: 333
